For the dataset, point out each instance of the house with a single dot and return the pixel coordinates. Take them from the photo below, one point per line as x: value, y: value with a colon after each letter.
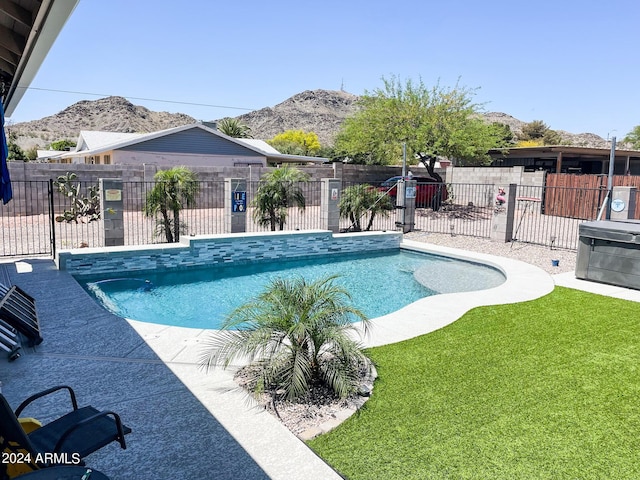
x: 568, y: 159
x: 198, y: 144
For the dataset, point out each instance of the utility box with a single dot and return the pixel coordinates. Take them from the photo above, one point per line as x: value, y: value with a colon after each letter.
x: 609, y: 252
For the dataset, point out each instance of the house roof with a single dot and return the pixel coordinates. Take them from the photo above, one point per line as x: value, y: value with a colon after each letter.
x: 28, y: 29
x: 553, y: 151
x: 49, y: 154
x: 96, y: 142
x: 93, y: 140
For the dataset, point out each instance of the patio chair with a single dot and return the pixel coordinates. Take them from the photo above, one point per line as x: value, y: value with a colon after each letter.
x: 18, y: 309
x: 9, y: 341
x: 68, y: 439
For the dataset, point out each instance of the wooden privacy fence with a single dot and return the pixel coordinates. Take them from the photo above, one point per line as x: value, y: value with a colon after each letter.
x: 581, y: 196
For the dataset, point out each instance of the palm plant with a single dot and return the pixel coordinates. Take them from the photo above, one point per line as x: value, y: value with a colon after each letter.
x: 358, y: 200
x: 297, y: 334
x: 277, y: 191
x: 174, y: 190
x: 232, y: 127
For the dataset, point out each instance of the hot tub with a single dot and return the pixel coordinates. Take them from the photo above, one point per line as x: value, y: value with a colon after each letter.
x: 609, y: 252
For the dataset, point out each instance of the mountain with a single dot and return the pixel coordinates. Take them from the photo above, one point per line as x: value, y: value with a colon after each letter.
x: 319, y: 111
x: 111, y: 114
x: 574, y: 139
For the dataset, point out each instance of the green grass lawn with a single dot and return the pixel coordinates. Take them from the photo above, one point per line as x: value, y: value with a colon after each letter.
x: 547, y: 389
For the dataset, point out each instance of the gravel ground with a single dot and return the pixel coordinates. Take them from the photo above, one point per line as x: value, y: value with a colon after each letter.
x: 534, y: 254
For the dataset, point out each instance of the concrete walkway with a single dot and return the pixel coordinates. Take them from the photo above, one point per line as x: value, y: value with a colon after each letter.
x: 188, y: 424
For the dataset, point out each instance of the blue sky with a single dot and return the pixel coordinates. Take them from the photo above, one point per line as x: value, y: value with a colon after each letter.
x: 573, y: 64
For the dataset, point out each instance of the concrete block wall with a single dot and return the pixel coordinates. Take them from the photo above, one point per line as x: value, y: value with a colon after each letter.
x: 201, y: 251
x: 145, y: 172
x: 479, y: 185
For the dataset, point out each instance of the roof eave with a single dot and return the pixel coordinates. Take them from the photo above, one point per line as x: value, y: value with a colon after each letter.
x: 51, y: 17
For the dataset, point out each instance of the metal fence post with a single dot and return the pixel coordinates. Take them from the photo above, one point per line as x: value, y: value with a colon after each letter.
x: 52, y: 220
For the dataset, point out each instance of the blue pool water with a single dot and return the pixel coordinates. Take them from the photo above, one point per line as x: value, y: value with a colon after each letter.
x: 201, y: 298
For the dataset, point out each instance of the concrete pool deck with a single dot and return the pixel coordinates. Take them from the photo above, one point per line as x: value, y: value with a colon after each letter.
x: 187, y: 424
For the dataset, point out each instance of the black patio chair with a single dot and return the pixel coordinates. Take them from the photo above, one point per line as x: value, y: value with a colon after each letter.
x: 68, y: 439
x: 18, y: 309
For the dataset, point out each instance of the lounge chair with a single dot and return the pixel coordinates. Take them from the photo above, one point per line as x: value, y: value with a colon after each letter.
x: 18, y: 310
x: 68, y: 439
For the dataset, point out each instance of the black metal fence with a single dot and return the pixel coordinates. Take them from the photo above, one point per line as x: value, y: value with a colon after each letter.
x: 32, y: 223
x: 535, y: 221
x: 466, y: 210
x: 26, y: 224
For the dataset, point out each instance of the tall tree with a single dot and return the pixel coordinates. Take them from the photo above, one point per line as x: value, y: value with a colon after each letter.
x: 633, y: 137
x: 432, y: 122
x: 297, y: 333
x: 233, y: 127
x: 174, y: 190
x: 278, y: 190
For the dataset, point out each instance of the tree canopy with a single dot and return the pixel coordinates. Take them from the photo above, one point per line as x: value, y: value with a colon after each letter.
x: 62, y: 145
x: 633, y: 137
x: 538, y: 133
x: 296, y: 142
x: 431, y: 121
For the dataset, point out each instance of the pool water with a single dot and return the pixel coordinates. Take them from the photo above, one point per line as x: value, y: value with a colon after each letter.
x: 201, y: 298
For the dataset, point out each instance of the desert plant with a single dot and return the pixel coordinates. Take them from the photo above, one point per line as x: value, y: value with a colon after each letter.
x: 297, y: 334
x: 174, y: 190
x: 81, y: 206
x: 232, y: 127
x: 358, y: 201
x: 277, y: 191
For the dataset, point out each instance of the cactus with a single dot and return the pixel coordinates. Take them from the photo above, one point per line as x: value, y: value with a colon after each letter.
x: 86, y: 207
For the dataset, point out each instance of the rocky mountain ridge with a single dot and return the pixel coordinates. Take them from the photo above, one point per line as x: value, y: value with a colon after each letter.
x: 320, y: 111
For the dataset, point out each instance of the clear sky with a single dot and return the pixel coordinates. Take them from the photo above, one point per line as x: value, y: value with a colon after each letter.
x: 575, y: 64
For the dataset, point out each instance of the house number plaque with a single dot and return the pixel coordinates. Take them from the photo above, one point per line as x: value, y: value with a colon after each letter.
x: 113, y: 195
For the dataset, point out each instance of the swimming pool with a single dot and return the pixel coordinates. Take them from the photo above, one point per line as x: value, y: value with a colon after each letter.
x: 201, y: 298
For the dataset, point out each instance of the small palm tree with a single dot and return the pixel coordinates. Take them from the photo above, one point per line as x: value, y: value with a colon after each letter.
x: 277, y: 191
x: 232, y: 127
x: 174, y: 190
x: 358, y: 200
x: 297, y: 334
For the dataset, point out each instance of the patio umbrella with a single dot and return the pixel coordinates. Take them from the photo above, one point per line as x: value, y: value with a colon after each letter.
x: 5, y: 180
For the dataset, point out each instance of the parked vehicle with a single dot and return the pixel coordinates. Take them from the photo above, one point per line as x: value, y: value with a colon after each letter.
x: 429, y: 192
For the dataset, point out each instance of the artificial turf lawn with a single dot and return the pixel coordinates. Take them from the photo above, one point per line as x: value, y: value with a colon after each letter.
x: 547, y: 389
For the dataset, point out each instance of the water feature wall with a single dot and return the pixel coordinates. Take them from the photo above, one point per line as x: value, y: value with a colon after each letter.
x: 200, y: 251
